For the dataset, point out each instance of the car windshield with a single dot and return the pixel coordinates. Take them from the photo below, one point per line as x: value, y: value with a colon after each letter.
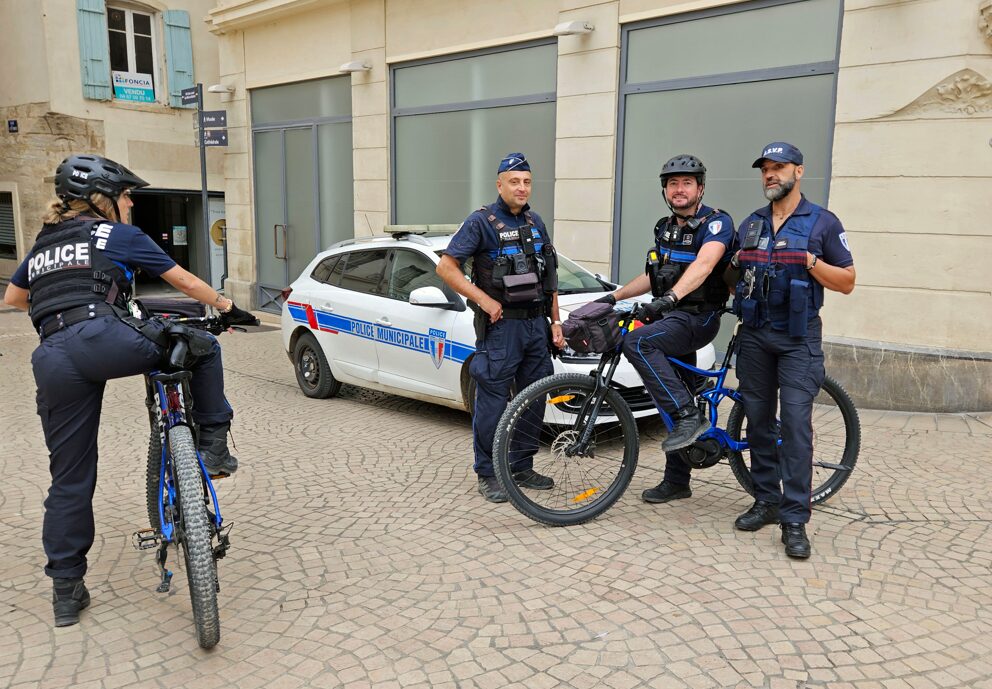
x: 572, y: 278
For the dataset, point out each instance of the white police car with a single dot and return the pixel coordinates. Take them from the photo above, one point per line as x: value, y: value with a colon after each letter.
x: 373, y: 313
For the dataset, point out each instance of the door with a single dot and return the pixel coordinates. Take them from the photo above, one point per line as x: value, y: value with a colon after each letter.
x: 413, y: 344
x: 286, y: 231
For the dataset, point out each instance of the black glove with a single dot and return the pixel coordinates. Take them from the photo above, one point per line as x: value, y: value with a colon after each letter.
x: 659, y: 307
x: 237, y: 316
x: 607, y: 299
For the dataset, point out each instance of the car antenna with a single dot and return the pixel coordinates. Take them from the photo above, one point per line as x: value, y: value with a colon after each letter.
x: 371, y: 232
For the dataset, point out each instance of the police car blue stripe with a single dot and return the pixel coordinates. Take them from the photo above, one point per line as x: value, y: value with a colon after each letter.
x: 396, y: 337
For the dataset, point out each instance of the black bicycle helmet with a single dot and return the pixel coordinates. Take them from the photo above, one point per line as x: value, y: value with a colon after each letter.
x: 78, y: 176
x: 683, y: 164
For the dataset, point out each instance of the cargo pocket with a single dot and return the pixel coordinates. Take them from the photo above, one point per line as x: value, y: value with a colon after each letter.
x: 798, y: 313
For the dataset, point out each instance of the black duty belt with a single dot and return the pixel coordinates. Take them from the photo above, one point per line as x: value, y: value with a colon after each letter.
x: 519, y: 314
x: 697, y: 309
x: 72, y: 316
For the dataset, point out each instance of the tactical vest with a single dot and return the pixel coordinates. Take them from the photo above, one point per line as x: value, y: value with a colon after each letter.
x: 522, y: 271
x: 66, y: 270
x: 675, y: 250
x: 775, y: 286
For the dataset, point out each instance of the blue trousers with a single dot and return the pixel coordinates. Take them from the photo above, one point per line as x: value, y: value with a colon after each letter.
x: 783, y: 374
x: 678, y: 334
x: 71, y: 369
x: 513, y: 352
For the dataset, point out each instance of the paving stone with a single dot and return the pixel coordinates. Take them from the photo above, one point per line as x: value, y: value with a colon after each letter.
x: 363, y: 557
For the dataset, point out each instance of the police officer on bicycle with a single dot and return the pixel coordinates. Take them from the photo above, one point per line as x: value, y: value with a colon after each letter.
x: 684, y: 272
x: 75, y: 283
x: 789, y: 251
x: 514, y: 293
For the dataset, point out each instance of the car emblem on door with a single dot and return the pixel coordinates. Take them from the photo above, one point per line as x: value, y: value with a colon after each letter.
x: 437, y: 342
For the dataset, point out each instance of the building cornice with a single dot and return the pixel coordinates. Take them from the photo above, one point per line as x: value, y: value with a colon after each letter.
x: 238, y: 14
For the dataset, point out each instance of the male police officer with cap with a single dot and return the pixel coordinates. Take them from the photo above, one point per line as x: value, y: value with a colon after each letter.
x: 514, y: 291
x: 789, y: 251
x: 684, y: 272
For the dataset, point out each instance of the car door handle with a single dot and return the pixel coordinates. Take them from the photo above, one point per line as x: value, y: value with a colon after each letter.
x: 384, y: 321
x: 326, y: 306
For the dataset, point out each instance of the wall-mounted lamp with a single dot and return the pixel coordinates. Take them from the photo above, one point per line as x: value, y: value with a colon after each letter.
x: 573, y: 28
x: 356, y: 66
x: 220, y: 88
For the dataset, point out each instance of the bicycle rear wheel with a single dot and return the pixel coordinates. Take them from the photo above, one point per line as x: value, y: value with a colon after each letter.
x: 540, y: 425
x: 153, y: 489
x: 194, y: 536
x: 836, y: 442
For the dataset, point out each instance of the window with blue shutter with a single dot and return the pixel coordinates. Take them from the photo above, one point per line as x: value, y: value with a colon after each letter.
x: 178, y: 55
x: 94, y: 52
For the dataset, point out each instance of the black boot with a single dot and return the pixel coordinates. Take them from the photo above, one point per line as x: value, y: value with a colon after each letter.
x: 689, y: 425
x: 795, y: 540
x: 69, y: 596
x: 760, y: 514
x: 528, y: 478
x: 491, y: 490
x: 213, y: 450
x: 666, y: 492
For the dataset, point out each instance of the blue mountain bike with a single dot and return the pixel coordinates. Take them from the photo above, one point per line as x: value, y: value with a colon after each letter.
x: 587, y: 440
x: 182, y: 504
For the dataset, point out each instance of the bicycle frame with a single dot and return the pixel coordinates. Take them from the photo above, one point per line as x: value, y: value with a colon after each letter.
x: 712, y: 395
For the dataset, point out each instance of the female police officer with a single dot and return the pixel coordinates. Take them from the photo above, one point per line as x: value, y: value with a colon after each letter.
x: 789, y: 252
x: 76, y: 283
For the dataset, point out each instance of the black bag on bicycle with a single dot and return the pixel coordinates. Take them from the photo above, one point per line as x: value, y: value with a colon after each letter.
x: 593, y: 328
x: 184, y: 308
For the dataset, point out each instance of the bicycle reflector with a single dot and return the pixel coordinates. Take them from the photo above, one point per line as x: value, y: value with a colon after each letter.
x: 561, y: 398
x: 585, y: 495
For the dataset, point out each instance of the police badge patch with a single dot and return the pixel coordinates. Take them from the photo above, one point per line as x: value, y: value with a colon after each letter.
x: 437, y: 342
x: 843, y: 240
x: 716, y: 226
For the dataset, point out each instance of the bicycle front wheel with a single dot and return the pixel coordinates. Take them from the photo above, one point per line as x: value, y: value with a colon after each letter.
x: 540, y: 429
x: 194, y: 536
x: 153, y: 489
x: 836, y: 442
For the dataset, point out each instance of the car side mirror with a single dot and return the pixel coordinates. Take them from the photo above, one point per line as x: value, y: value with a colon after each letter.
x: 431, y: 296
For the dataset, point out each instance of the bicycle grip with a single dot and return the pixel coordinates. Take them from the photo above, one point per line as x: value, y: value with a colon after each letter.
x: 177, y: 357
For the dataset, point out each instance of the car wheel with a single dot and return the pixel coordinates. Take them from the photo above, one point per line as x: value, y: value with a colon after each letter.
x: 313, y: 373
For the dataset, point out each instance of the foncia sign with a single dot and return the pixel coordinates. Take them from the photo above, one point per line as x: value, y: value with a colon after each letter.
x: 134, y: 86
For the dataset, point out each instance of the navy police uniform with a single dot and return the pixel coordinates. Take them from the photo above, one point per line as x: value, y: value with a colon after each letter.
x: 694, y: 323
x: 781, y: 353
x: 78, y: 274
x: 515, y: 349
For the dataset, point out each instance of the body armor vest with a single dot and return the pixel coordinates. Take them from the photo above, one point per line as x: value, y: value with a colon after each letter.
x: 775, y: 286
x: 66, y: 270
x: 522, y: 271
x: 675, y: 249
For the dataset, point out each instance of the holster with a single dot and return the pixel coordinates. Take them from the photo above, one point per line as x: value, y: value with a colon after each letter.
x: 480, y: 320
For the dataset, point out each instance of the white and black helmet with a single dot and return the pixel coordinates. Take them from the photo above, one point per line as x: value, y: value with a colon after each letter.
x: 78, y: 176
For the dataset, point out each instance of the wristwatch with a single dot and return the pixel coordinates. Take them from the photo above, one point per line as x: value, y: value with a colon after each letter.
x: 555, y: 322
x: 810, y: 266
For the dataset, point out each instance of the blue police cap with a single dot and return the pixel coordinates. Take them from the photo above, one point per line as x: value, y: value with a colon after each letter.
x: 780, y: 152
x: 513, y: 161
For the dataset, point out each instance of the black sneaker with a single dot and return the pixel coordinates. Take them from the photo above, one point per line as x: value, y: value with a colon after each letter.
x: 528, y: 478
x: 795, y: 540
x: 760, y: 514
x: 490, y: 489
x: 666, y: 492
x: 69, y: 596
x: 689, y: 425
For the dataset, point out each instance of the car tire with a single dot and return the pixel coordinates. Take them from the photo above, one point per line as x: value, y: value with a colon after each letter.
x: 470, y: 394
x: 313, y: 373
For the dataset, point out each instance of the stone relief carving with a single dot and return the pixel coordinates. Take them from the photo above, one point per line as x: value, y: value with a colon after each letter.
x: 965, y: 92
x: 985, y: 20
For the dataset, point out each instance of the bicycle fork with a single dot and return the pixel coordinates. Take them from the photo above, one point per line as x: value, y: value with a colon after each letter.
x: 591, y: 407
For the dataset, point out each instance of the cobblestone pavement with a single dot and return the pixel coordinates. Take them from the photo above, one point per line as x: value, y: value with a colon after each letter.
x: 363, y: 556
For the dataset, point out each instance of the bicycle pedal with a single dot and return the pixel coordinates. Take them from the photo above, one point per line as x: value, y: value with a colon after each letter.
x: 143, y: 539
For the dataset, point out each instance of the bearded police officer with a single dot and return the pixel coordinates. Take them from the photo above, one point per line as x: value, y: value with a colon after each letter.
x: 76, y: 284
x: 684, y: 273
x: 789, y: 251
x: 514, y: 293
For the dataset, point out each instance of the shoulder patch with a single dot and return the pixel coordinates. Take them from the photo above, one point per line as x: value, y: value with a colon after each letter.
x: 843, y: 240
x: 716, y: 226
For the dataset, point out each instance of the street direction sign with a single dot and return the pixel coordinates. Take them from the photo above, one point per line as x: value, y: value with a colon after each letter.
x: 189, y: 96
x: 214, y: 118
x: 215, y: 137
